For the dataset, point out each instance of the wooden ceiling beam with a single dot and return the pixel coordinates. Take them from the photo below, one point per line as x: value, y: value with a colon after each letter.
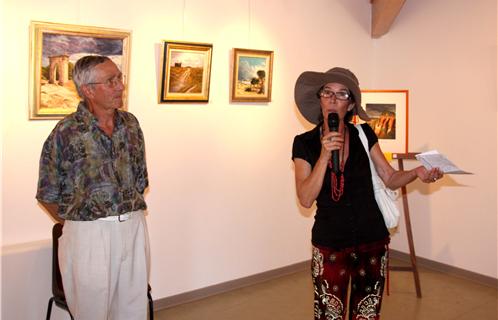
x: 383, y: 14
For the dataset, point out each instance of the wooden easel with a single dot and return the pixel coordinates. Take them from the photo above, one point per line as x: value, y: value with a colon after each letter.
x: 413, y: 268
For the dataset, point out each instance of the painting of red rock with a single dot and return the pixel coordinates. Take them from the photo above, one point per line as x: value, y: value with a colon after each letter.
x: 383, y: 119
x: 388, y: 112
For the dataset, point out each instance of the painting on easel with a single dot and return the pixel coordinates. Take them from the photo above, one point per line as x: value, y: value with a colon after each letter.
x: 388, y: 110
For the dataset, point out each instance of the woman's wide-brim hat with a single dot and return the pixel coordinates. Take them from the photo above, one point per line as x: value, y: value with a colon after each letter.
x: 308, y: 84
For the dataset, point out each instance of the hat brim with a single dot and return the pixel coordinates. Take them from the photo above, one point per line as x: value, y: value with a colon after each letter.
x: 306, y: 89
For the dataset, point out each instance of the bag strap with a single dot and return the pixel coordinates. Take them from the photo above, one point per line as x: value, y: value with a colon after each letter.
x: 364, y: 141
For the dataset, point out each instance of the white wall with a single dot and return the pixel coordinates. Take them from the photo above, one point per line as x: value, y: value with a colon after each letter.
x: 447, y: 58
x: 2, y: 91
x: 221, y: 198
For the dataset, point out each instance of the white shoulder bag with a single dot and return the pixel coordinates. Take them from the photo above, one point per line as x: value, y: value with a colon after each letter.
x: 385, y: 197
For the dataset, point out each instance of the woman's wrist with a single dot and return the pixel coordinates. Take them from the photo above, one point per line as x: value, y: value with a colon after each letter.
x: 323, y: 159
x: 416, y: 172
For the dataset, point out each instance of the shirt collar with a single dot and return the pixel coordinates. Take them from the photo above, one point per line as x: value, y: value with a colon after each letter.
x: 84, y: 115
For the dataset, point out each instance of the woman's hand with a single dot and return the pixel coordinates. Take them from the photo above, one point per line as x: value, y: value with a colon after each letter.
x: 309, y: 180
x: 330, y: 142
x: 394, y: 179
x: 428, y: 176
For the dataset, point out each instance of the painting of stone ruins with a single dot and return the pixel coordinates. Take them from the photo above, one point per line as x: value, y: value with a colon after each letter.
x: 59, y: 54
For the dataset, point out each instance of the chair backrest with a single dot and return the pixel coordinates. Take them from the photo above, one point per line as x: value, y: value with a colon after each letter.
x: 57, y: 288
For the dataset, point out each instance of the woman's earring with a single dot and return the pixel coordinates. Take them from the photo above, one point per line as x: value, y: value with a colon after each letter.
x: 351, y: 106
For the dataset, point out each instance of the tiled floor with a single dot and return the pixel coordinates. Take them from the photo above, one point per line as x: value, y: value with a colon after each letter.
x: 291, y: 298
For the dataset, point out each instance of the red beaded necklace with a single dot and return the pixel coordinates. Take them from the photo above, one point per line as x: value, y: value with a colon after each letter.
x: 338, y: 186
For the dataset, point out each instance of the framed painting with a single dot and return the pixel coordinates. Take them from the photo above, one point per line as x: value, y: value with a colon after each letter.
x: 186, y: 72
x: 252, y: 75
x: 54, y: 50
x: 388, y: 110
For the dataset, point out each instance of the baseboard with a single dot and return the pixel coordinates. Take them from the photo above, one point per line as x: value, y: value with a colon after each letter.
x: 305, y: 265
x: 447, y: 269
x: 229, y: 285
x: 31, y: 246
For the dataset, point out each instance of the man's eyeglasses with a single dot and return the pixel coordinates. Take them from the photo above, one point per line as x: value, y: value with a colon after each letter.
x: 112, y: 82
x: 340, y: 95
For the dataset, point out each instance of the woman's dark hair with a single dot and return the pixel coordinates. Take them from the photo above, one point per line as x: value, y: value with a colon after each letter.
x: 349, y: 116
x: 319, y: 91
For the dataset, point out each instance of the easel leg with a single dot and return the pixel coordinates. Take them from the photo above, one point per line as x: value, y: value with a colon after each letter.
x: 409, y: 234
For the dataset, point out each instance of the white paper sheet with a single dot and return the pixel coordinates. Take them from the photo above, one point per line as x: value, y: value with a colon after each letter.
x: 434, y: 159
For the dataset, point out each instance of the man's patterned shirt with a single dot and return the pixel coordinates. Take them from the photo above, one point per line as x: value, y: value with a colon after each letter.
x: 89, y: 174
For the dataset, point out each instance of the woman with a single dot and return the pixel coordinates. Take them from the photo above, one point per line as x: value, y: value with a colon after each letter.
x: 349, y: 236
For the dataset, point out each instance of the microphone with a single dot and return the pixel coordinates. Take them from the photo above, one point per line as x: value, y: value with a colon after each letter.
x: 333, y: 122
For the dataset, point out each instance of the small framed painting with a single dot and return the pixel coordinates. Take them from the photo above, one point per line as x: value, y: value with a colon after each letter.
x: 55, y: 48
x: 186, y: 72
x: 252, y: 75
x: 388, y: 110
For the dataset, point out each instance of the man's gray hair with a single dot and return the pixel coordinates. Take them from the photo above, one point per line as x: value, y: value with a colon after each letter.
x: 83, y: 71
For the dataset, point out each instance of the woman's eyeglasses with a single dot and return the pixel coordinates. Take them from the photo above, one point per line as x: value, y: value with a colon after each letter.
x: 340, y: 95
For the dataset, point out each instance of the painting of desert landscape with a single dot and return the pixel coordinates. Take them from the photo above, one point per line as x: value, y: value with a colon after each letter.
x: 383, y: 119
x: 252, y: 75
x: 388, y: 111
x: 186, y: 72
x: 57, y: 50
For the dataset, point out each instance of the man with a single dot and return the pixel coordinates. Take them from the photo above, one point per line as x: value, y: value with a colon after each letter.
x: 92, y: 179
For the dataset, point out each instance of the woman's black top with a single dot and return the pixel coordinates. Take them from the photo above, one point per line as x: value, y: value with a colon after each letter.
x: 355, y: 219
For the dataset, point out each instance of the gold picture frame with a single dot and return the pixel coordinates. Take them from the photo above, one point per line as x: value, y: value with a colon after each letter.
x: 388, y: 110
x: 252, y: 75
x: 186, y: 72
x: 54, y: 49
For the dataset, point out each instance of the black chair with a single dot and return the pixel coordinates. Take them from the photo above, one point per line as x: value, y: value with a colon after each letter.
x: 57, y: 288
x: 151, y: 303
